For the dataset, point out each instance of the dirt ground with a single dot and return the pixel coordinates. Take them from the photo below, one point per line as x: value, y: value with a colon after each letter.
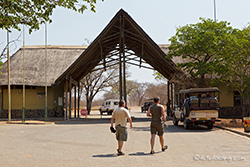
x: 234, y: 124
x: 231, y: 123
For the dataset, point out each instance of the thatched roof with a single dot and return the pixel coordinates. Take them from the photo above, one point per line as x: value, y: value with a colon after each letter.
x: 181, y: 77
x: 121, y: 28
x: 59, y: 58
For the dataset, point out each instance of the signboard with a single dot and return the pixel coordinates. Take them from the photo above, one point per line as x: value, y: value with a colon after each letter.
x: 84, y: 112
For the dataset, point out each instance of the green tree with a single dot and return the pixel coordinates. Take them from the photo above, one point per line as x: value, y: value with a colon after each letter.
x: 33, y: 13
x: 200, y: 45
x: 237, y: 66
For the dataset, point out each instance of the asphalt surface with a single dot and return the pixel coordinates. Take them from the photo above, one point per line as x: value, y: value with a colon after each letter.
x: 89, y: 142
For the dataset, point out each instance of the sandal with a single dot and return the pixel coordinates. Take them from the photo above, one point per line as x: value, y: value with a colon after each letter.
x: 119, y: 152
x: 152, y: 152
x: 164, y: 148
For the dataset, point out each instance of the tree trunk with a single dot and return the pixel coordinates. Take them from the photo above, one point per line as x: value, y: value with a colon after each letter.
x: 245, y: 113
x: 89, y: 105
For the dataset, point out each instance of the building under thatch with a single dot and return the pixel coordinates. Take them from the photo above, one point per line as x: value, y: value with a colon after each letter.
x: 59, y: 58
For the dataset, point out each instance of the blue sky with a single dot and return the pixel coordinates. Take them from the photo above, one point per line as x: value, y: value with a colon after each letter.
x: 158, y: 18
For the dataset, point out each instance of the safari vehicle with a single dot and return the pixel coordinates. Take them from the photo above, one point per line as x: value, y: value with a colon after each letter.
x: 109, y: 106
x: 201, y: 108
x: 146, y: 106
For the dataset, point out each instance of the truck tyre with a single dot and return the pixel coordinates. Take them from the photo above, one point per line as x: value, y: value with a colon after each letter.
x: 175, y: 121
x: 210, y: 126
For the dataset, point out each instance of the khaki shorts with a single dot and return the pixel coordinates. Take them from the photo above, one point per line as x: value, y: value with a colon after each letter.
x: 121, y: 133
x: 157, y: 128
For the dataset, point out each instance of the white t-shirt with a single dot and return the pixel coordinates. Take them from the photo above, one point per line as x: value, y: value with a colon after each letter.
x: 120, y: 115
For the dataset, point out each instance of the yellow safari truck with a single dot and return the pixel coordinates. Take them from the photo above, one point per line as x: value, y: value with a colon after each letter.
x: 197, y: 106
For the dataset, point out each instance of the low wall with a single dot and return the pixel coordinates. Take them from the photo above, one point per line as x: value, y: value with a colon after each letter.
x: 232, y: 112
x: 31, y: 113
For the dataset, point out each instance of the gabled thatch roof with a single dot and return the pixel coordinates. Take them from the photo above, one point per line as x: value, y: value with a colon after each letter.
x: 59, y: 58
x: 135, y: 39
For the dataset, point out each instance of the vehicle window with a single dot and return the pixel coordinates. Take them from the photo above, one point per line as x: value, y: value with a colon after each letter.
x: 116, y: 103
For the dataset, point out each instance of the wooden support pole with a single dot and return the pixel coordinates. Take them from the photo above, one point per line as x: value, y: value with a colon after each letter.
x: 75, y: 103
x: 120, y: 61
x: 124, y: 62
x: 172, y: 96
x: 66, y: 100
x: 79, y: 98
x: 70, y: 95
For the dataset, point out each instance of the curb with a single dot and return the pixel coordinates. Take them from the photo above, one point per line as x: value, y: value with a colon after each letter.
x: 27, y: 122
x: 31, y: 123
x: 234, y: 131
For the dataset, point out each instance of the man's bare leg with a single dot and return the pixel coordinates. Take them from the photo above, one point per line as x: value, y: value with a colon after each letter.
x: 152, y: 142
x: 120, y: 144
x: 161, y: 141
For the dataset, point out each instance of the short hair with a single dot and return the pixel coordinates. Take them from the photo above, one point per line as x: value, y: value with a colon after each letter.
x: 156, y: 99
x: 121, y: 102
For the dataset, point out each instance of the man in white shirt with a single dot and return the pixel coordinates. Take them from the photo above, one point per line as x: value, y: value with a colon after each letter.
x: 121, y: 115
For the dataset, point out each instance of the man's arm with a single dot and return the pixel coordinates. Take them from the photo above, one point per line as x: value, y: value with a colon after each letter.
x: 112, y: 121
x: 130, y: 121
x: 163, y: 114
x: 148, y: 113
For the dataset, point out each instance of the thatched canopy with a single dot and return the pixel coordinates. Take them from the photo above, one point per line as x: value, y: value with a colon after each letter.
x: 59, y: 58
x: 121, y: 28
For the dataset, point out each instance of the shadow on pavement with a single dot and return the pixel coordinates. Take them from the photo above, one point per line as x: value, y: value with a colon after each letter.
x: 132, y: 154
x: 105, y: 155
x: 143, y: 154
x: 181, y: 129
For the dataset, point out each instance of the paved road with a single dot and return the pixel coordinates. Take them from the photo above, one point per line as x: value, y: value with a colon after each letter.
x: 90, y: 143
